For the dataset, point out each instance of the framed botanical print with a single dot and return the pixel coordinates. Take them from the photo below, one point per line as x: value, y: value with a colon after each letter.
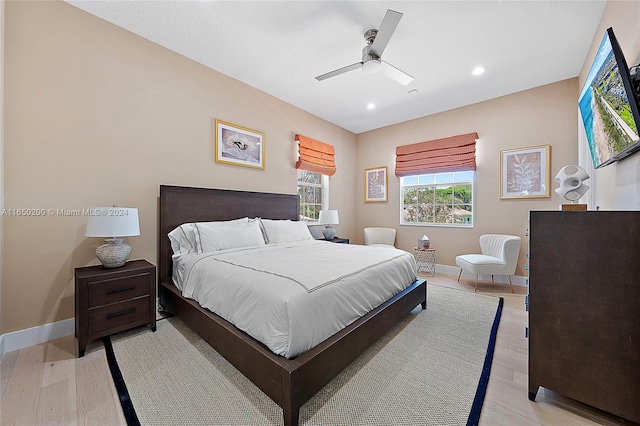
x: 375, y: 184
x: 239, y: 146
x: 525, y: 172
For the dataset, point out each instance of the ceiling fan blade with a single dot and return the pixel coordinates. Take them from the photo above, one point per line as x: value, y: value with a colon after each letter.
x: 387, y: 27
x: 393, y: 72
x: 339, y: 71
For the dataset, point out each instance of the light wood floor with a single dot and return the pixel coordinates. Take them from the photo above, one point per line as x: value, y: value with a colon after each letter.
x: 47, y: 384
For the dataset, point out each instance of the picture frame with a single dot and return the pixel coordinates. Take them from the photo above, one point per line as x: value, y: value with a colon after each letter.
x: 525, y: 172
x: 375, y: 184
x: 239, y: 145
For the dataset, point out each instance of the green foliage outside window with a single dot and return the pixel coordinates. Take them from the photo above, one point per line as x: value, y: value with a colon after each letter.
x: 310, y: 192
x: 449, y: 203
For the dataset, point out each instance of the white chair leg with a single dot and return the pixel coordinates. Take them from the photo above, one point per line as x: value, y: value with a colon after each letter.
x: 511, y: 284
x: 476, y: 287
x: 460, y: 274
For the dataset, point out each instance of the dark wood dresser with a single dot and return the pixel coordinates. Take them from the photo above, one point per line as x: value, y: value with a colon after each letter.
x: 113, y: 300
x: 584, y: 308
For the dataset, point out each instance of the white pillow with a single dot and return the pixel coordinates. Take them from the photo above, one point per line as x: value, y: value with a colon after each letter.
x: 185, y: 239
x: 232, y: 235
x: 205, y: 225
x: 285, y: 231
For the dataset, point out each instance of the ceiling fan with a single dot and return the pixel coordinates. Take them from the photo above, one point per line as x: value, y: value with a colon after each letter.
x: 371, y: 63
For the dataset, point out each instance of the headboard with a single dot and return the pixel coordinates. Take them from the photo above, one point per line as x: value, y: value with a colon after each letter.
x: 180, y: 205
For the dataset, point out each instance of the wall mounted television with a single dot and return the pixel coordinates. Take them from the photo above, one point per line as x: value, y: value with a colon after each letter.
x: 609, y: 105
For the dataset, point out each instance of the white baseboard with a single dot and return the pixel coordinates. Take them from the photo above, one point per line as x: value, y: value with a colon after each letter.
x: 454, y: 270
x: 32, y: 336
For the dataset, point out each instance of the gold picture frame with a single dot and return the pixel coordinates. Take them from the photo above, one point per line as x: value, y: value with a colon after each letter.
x: 525, y: 172
x: 239, y: 145
x: 375, y: 184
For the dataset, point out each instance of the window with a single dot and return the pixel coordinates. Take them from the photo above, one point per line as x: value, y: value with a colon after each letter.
x: 313, y: 189
x: 437, y: 199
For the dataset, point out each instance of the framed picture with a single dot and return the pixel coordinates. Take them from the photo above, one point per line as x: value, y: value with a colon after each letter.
x: 524, y: 172
x: 239, y: 146
x: 375, y: 185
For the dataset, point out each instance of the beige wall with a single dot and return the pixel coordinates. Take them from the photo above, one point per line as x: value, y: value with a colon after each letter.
x: 1, y: 147
x: 98, y: 116
x: 616, y: 186
x: 542, y: 116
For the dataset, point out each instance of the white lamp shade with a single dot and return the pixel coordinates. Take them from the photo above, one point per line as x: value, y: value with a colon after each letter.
x: 328, y: 217
x: 113, y: 222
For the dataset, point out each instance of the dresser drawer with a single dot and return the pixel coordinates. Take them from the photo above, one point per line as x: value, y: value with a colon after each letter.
x: 109, y: 291
x: 109, y: 316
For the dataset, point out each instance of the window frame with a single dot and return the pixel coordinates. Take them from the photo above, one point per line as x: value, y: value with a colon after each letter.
x: 435, y: 180
x: 324, y: 187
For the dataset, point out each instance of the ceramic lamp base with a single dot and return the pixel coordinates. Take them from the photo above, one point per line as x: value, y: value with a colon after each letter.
x: 113, y: 253
x: 329, y: 233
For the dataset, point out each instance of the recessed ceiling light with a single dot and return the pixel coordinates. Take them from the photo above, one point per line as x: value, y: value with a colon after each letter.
x: 371, y: 106
x: 478, y: 70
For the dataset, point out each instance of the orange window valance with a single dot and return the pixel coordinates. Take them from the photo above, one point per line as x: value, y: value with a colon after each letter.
x: 315, y: 156
x: 452, y: 154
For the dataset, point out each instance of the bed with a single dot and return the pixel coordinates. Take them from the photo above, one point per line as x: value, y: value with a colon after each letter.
x: 288, y: 382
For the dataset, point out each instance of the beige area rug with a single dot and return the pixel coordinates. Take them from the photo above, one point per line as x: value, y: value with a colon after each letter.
x: 428, y: 370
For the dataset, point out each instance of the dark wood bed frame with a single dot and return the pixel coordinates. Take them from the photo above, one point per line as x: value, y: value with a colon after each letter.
x: 288, y: 382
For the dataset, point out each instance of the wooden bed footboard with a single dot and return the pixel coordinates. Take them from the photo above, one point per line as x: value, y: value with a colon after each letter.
x: 291, y: 383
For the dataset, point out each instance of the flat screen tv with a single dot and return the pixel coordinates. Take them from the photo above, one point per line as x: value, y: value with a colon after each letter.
x: 608, y: 105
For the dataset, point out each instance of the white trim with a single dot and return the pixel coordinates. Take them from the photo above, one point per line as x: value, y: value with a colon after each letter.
x: 454, y: 270
x: 2, y: 43
x: 32, y: 336
x: 325, y: 192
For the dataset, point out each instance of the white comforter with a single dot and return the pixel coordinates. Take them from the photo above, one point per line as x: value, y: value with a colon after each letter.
x: 293, y: 296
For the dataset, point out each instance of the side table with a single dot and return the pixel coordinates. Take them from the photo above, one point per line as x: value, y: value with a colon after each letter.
x: 426, y: 261
x: 110, y: 300
x: 339, y: 240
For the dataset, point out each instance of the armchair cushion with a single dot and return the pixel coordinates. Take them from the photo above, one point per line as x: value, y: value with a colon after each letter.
x: 480, y: 264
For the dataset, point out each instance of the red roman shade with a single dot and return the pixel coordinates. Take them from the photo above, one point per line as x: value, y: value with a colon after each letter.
x: 315, y: 156
x: 452, y: 154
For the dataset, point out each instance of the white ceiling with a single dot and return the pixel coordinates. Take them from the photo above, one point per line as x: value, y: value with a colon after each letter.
x: 280, y: 46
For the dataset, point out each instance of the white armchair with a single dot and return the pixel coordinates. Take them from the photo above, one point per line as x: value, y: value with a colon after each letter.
x: 499, y: 257
x: 379, y: 236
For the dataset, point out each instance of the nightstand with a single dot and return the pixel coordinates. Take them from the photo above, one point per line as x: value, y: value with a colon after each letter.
x: 110, y: 300
x: 339, y: 240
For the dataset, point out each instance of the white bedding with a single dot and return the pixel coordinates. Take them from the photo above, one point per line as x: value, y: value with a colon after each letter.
x: 292, y: 296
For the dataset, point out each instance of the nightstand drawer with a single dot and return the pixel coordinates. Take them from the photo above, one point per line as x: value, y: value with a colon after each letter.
x: 110, y: 300
x: 117, y: 314
x: 115, y: 290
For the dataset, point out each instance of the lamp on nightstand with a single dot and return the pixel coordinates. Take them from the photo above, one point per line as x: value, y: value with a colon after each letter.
x: 113, y: 222
x: 328, y: 218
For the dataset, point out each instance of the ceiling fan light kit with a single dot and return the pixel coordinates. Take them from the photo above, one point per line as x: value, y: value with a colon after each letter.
x: 372, y: 66
x: 372, y: 63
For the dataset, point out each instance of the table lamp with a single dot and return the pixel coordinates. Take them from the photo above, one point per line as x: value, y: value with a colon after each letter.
x: 328, y: 218
x: 113, y: 222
